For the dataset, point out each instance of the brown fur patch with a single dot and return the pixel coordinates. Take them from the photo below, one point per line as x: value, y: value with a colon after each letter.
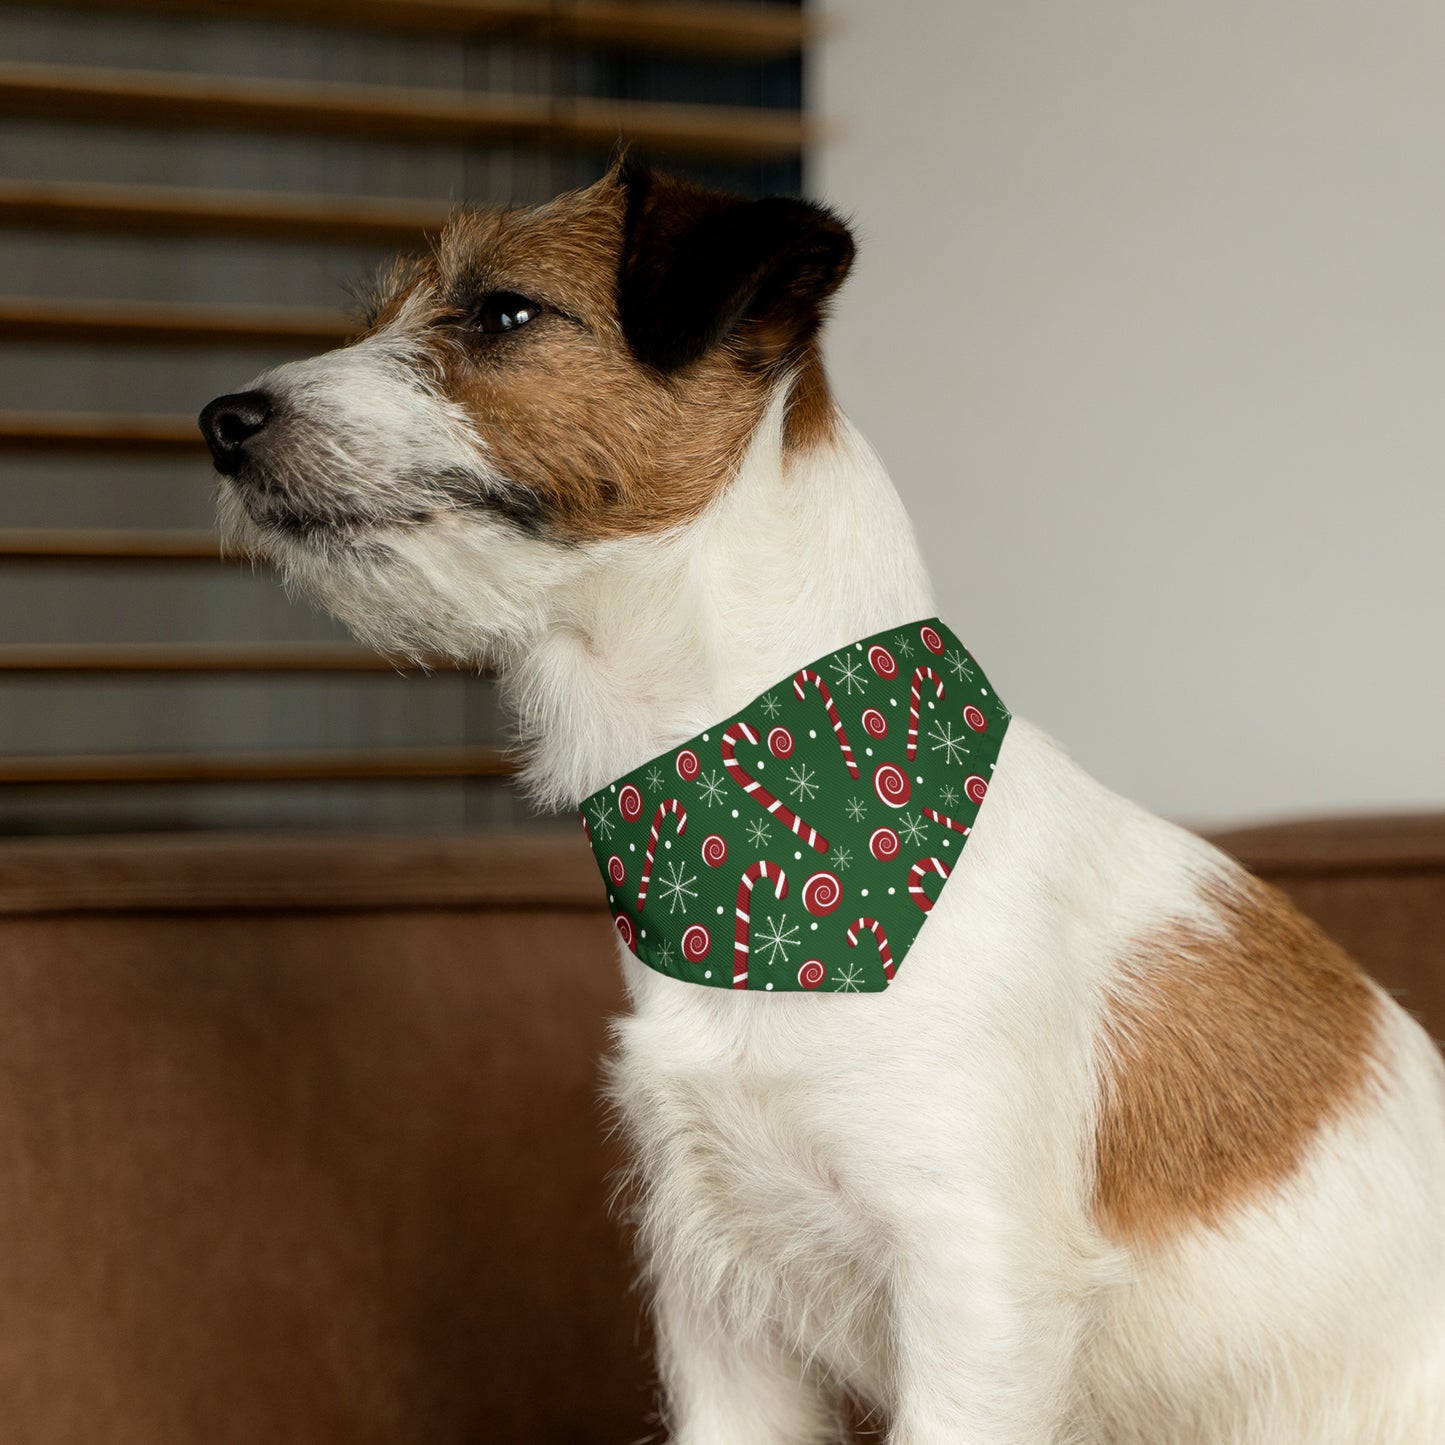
x: 1226, y: 1054
x: 610, y: 447
x: 812, y: 413
x: 606, y: 445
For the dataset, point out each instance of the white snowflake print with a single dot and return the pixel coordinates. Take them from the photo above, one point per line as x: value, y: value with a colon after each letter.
x: 771, y: 705
x: 857, y: 809
x: 654, y: 777
x: 758, y: 832
x: 712, y: 785
x: 800, y: 782
x: 947, y: 796
x: 903, y: 644
x: 774, y: 939
x: 944, y: 740
x: 602, y: 823
x: 850, y: 979
x: 842, y: 859
x: 1007, y: 715
x: 664, y: 954
x: 961, y: 664
x: 911, y: 829
x: 675, y: 885
x: 848, y: 670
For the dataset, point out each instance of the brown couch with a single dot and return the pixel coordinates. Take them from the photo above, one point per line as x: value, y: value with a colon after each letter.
x: 301, y: 1139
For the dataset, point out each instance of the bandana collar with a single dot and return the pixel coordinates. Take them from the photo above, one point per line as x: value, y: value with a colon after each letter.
x: 846, y: 840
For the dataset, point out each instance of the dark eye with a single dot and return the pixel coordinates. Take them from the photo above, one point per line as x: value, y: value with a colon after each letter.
x: 504, y: 311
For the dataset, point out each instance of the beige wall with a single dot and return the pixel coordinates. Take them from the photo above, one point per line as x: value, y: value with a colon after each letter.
x: 1149, y: 323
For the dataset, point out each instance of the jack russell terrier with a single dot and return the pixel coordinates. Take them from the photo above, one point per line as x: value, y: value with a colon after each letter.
x: 1117, y: 1149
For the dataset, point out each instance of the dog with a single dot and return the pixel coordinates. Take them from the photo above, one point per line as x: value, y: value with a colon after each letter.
x: 1128, y: 1153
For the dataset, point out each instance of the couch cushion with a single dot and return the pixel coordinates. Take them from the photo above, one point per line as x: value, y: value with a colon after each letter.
x: 303, y: 1143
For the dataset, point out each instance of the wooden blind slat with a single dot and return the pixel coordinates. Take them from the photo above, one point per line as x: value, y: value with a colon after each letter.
x: 259, y: 767
x: 175, y: 210
x: 77, y: 544
x: 170, y: 323
x: 753, y: 32
x: 80, y: 431
x: 708, y: 29
x: 216, y: 102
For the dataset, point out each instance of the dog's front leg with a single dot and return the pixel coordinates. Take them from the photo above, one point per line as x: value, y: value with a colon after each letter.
x: 984, y: 1345
x: 722, y: 1389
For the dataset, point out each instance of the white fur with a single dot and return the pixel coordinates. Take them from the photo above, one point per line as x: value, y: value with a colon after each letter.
x: 890, y: 1194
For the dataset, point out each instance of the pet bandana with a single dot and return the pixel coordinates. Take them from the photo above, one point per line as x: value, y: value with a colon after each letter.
x: 845, y: 792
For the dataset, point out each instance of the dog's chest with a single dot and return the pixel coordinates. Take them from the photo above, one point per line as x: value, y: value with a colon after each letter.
x: 746, y: 1184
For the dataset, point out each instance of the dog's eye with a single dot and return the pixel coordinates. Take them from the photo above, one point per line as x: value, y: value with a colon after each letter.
x: 504, y: 311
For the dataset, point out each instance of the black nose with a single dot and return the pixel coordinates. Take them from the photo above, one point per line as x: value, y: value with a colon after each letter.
x: 229, y: 422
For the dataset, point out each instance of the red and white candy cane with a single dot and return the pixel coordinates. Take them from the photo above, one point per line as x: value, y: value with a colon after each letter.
x: 811, y: 836
x: 876, y: 929
x: 919, y: 673
x: 945, y: 820
x: 668, y: 805
x: 761, y: 869
x: 808, y: 675
x: 915, y: 880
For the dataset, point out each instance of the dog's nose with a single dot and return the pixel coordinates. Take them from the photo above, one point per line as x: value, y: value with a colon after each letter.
x: 229, y: 422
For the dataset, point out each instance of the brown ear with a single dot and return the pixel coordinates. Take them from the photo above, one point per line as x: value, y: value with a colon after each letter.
x: 699, y: 266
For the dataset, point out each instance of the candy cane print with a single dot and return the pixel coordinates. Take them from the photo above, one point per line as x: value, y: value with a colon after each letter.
x: 761, y: 869
x: 808, y: 675
x: 946, y: 821
x: 876, y: 929
x: 915, y: 879
x: 810, y: 836
x: 668, y: 805
x: 919, y: 673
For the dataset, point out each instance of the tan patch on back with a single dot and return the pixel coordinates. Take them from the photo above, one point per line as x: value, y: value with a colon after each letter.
x: 1226, y: 1054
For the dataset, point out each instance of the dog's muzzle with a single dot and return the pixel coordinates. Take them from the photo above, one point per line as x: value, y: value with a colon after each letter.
x: 230, y: 422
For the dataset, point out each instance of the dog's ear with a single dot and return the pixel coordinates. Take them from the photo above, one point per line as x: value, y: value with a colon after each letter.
x: 699, y: 266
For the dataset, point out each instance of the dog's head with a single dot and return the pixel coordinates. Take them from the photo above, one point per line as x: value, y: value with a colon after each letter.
x: 580, y: 374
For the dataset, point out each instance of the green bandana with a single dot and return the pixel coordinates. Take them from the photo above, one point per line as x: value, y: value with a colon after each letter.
x: 846, y: 789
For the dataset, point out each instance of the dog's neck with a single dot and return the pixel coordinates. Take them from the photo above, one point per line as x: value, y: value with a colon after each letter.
x: 656, y: 638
